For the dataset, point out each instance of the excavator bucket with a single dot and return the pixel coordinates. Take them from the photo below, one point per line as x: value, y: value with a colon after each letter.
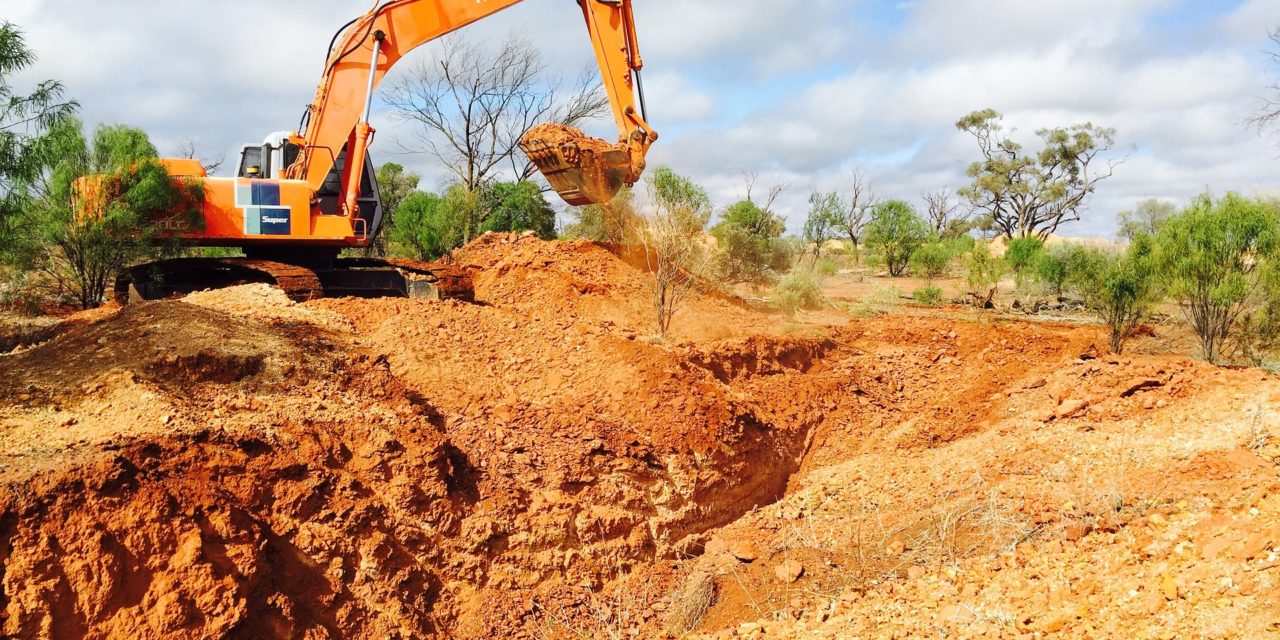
x: 582, y: 169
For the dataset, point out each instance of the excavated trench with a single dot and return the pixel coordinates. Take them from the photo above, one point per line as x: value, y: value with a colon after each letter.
x: 232, y: 489
x: 240, y: 466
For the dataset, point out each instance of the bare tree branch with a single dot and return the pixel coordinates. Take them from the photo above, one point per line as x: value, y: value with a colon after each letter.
x: 472, y: 104
x: 1269, y: 113
x: 942, y: 210
x: 856, y: 211
x: 190, y: 150
x: 750, y: 176
x: 775, y: 192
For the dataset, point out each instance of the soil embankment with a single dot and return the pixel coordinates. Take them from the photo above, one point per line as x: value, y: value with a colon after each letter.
x: 534, y: 465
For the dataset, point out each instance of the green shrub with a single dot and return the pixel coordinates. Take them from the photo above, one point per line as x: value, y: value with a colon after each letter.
x: 795, y: 291
x: 931, y: 260
x: 984, y: 274
x: 750, y: 243
x: 828, y: 267
x: 1070, y: 268
x: 427, y: 225
x: 86, y: 242
x: 1216, y: 257
x: 1257, y: 333
x: 1120, y: 289
x: 1051, y: 268
x: 959, y: 245
x: 894, y: 233
x: 928, y: 295
x: 516, y: 207
x: 1022, y: 253
x: 1084, y: 266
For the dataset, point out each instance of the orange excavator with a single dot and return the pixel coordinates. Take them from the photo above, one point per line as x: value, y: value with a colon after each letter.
x: 301, y: 197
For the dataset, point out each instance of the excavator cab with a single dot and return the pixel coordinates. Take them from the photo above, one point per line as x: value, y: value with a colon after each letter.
x: 269, y: 160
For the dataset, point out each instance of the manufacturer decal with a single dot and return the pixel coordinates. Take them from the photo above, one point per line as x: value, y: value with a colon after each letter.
x: 260, y: 202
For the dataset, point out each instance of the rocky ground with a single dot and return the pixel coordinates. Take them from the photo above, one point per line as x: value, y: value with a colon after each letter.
x: 536, y: 465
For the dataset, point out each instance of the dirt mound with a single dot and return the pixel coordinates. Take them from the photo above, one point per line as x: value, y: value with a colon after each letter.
x: 1070, y: 533
x: 18, y: 331
x: 533, y: 467
x: 182, y: 472
x: 595, y: 282
x: 1082, y: 464
x: 143, y: 372
x: 476, y: 457
x: 263, y: 302
x: 761, y: 356
x: 294, y: 515
x: 628, y: 448
x: 170, y: 344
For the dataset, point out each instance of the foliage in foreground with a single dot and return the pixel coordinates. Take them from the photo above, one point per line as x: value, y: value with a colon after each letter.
x: 1021, y: 253
x: 394, y: 185
x: 1121, y: 289
x: 25, y: 120
x: 822, y: 221
x: 1257, y: 332
x: 931, y: 260
x: 983, y: 274
x: 428, y: 225
x: 671, y: 235
x: 104, y: 202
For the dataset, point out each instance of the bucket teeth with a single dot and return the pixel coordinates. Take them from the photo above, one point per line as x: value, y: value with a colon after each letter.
x: 582, y: 169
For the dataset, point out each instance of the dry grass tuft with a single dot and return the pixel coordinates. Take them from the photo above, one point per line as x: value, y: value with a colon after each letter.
x: 690, y: 603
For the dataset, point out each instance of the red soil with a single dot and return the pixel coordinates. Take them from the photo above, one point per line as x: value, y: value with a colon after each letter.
x: 556, y: 134
x: 535, y: 466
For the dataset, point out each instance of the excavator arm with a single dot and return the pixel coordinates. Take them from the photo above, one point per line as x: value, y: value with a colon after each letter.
x: 582, y: 170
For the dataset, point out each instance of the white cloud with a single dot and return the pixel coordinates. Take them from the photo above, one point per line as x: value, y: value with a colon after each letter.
x: 959, y: 27
x: 764, y: 36
x: 1181, y: 112
x: 673, y: 98
x: 800, y: 92
x: 1252, y: 20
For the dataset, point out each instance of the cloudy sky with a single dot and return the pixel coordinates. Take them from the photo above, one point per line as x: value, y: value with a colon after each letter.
x: 803, y: 93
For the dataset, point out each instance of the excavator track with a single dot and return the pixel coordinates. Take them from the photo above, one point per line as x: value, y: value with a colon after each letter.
x: 452, y: 283
x: 392, y: 277
x: 299, y: 283
x: 354, y: 277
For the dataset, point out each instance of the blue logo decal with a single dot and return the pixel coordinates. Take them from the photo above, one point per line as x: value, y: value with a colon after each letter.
x: 260, y: 202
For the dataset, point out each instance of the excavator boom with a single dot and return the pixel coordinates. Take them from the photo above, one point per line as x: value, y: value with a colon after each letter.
x: 301, y: 197
x: 581, y: 169
x: 587, y: 170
